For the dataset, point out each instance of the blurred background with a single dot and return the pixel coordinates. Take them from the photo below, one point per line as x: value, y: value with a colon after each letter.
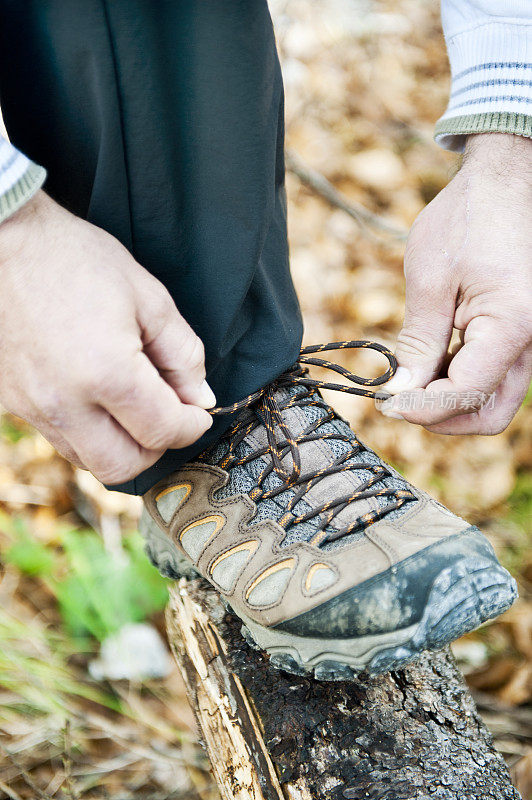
x: 366, y: 81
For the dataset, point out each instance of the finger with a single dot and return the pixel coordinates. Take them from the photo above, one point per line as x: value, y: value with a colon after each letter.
x: 105, y: 448
x: 173, y: 347
x: 423, y: 341
x: 497, y: 413
x: 149, y: 409
x: 476, y: 370
x: 453, y: 350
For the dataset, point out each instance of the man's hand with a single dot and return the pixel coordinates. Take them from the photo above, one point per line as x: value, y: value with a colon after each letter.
x: 93, y: 351
x: 468, y: 265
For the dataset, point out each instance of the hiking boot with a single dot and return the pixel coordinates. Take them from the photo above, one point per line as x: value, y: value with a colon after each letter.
x: 333, y: 562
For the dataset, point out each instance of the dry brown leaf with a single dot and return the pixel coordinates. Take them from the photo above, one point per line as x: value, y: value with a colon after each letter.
x: 379, y: 169
x: 495, y: 676
x: 518, y: 689
x: 519, y: 621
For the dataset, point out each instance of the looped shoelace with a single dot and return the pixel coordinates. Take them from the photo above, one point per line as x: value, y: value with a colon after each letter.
x: 265, y: 408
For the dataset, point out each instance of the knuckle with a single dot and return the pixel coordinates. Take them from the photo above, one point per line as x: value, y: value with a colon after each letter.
x: 156, y: 298
x: 181, y: 435
x: 112, y: 473
x: 425, y: 288
x: 192, y: 352
x: 413, y: 247
x: 113, y: 470
x: 417, y: 342
x: 191, y: 427
x: 103, y: 381
x: 158, y: 439
x: 495, y: 427
x: 51, y: 409
x: 418, y: 227
x: 523, y: 326
x: 64, y: 449
x: 416, y: 244
x: 161, y: 302
x: 470, y: 401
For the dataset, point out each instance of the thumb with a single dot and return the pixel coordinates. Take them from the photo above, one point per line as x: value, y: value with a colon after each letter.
x: 423, y: 341
x: 176, y: 351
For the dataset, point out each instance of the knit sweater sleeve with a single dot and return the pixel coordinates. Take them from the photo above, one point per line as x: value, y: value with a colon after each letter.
x: 489, y: 43
x: 20, y: 178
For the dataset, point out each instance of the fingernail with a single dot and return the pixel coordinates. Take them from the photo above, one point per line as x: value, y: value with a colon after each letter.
x: 401, y: 380
x: 206, y: 396
x: 391, y: 414
x: 387, y: 408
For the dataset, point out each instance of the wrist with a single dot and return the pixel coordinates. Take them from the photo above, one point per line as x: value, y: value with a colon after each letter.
x: 503, y: 154
x: 15, y: 230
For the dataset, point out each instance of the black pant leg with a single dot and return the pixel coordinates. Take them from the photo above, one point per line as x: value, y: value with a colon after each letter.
x: 162, y: 122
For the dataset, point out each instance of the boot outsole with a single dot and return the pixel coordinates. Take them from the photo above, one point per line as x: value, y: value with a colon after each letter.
x: 462, y: 597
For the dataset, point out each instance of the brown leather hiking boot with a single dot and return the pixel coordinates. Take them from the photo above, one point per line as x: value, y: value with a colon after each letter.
x: 334, y: 563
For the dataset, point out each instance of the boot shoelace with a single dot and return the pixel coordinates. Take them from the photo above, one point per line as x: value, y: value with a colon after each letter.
x: 264, y: 408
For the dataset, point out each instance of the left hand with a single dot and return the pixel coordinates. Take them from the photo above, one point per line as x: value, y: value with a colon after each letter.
x: 468, y: 265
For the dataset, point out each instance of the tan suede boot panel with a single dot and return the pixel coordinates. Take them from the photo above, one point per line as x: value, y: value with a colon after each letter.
x: 384, y: 544
x: 204, y: 480
x: 424, y: 524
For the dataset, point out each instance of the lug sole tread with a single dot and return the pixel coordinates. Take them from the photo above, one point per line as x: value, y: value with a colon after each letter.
x: 463, y: 597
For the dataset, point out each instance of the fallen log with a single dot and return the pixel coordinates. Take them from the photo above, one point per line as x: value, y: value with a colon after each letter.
x: 413, y: 734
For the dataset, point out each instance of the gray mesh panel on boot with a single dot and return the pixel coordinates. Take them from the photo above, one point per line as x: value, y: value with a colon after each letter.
x: 243, y: 478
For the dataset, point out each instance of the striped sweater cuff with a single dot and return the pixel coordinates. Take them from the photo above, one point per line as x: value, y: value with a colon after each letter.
x: 491, y: 90
x: 20, y: 178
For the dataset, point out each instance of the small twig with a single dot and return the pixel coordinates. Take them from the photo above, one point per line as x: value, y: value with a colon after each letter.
x: 27, y: 495
x: 319, y: 184
x: 487, y: 702
x: 9, y: 792
x: 25, y: 775
x: 69, y: 788
x: 503, y: 720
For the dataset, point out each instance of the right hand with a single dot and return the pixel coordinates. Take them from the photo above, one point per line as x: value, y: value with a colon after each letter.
x: 93, y: 351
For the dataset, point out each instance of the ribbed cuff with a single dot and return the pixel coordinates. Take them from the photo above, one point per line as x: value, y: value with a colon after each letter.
x: 491, y: 65
x: 451, y: 133
x: 21, y: 191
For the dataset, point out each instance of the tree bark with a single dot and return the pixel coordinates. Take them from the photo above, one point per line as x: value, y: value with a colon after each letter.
x: 410, y: 734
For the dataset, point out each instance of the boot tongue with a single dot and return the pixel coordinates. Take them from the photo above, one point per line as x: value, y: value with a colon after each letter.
x: 319, y: 454
x: 314, y: 456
